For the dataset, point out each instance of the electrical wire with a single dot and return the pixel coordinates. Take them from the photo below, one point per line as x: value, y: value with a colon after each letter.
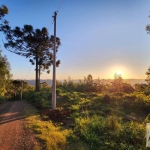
x: 59, y: 6
x: 57, y: 10
x: 28, y: 73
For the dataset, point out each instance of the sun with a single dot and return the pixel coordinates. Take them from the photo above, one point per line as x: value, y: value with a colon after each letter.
x: 118, y: 72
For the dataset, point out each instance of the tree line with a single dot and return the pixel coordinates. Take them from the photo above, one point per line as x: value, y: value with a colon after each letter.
x: 117, y: 85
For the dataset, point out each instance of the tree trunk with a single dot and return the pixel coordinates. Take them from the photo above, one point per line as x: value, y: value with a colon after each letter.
x: 39, y: 78
x: 36, y: 73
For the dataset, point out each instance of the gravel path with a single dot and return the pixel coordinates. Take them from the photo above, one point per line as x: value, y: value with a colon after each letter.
x: 13, y: 135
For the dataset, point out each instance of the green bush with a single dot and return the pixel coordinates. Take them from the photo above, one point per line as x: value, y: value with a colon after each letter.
x: 110, y: 133
x: 2, y: 99
x: 106, y: 98
x: 97, y: 118
x: 39, y: 99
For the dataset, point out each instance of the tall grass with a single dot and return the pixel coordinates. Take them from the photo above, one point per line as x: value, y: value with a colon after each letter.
x: 51, y: 136
x: 97, y: 120
x: 110, y: 133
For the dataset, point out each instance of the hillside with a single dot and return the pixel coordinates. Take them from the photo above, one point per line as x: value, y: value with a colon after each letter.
x: 105, y: 81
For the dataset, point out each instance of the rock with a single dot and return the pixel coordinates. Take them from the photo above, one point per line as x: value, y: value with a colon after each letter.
x: 129, y: 118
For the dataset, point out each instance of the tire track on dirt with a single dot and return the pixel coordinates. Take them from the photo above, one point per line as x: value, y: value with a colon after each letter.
x: 13, y: 135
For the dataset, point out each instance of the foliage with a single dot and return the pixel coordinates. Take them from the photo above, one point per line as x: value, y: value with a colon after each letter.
x: 117, y: 82
x: 88, y: 84
x: 110, y: 133
x: 40, y: 99
x: 4, y: 74
x: 31, y: 43
x: 148, y: 76
x: 140, y: 87
x: 15, y: 88
x: 50, y: 135
x: 4, y: 64
x: 2, y: 99
x: 3, y: 12
x: 97, y: 119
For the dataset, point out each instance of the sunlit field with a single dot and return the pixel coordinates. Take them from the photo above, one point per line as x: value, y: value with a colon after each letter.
x: 91, y: 116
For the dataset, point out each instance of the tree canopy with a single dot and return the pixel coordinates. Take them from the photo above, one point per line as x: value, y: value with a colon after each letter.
x: 148, y: 76
x: 117, y: 82
x: 3, y: 11
x: 35, y: 44
x: 4, y: 73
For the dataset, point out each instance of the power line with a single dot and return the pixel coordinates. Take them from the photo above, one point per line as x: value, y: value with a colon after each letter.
x: 52, y: 19
x: 59, y: 6
x: 28, y: 72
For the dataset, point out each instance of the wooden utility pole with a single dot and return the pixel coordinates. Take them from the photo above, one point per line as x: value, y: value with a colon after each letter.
x: 21, y: 88
x: 54, y: 66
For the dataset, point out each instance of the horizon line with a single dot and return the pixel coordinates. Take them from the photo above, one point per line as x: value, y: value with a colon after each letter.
x: 83, y: 79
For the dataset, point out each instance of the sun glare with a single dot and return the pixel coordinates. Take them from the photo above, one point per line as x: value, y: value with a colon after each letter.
x: 118, y: 72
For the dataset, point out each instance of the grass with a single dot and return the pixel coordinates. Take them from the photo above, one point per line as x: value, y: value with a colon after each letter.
x: 96, y: 122
x: 51, y: 136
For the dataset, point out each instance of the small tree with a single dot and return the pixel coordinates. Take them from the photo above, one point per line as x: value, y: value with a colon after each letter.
x: 148, y: 71
x: 117, y: 82
x: 89, y: 80
x: 98, y: 86
x: 140, y: 87
x: 4, y: 74
x: 148, y: 76
x: 127, y: 88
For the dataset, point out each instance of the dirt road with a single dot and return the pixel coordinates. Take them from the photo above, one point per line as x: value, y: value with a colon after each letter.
x: 13, y: 134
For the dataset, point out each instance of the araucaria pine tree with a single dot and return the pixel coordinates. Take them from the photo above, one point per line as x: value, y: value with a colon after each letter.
x: 35, y: 44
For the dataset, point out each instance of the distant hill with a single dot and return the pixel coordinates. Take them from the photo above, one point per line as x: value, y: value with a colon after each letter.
x: 105, y: 81
x: 32, y: 82
x: 130, y: 81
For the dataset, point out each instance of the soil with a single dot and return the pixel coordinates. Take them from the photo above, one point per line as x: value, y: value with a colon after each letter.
x: 13, y: 134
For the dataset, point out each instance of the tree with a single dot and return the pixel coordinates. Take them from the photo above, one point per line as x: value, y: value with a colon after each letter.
x: 3, y: 12
x: 98, y: 86
x: 140, y: 87
x: 16, y: 87
x: 126, y: 88
x: 148, y: 71
x: 89, y: 80
x: 89, y: 84
x: 34, y: 44
x: 4, y: 73
x: 148, y: 76
x: 117, y: 82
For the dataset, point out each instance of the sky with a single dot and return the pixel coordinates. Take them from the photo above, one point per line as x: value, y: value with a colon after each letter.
x: 98, y: 37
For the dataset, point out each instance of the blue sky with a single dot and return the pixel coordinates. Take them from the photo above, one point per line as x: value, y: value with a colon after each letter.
x: 98, y: 37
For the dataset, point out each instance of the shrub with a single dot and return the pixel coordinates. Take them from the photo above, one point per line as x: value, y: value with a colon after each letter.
x: 110, y: 133
x: 106, y: 98
x: 2, y: 99
x: 38, y: 99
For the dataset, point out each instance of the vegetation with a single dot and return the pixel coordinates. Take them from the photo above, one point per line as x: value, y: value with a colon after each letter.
x: 4, y: 64
x: 90, y: 115
x: 3, y: 12
x: 4, y: 76
x: 91, y: 118
x: 35, y: 44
